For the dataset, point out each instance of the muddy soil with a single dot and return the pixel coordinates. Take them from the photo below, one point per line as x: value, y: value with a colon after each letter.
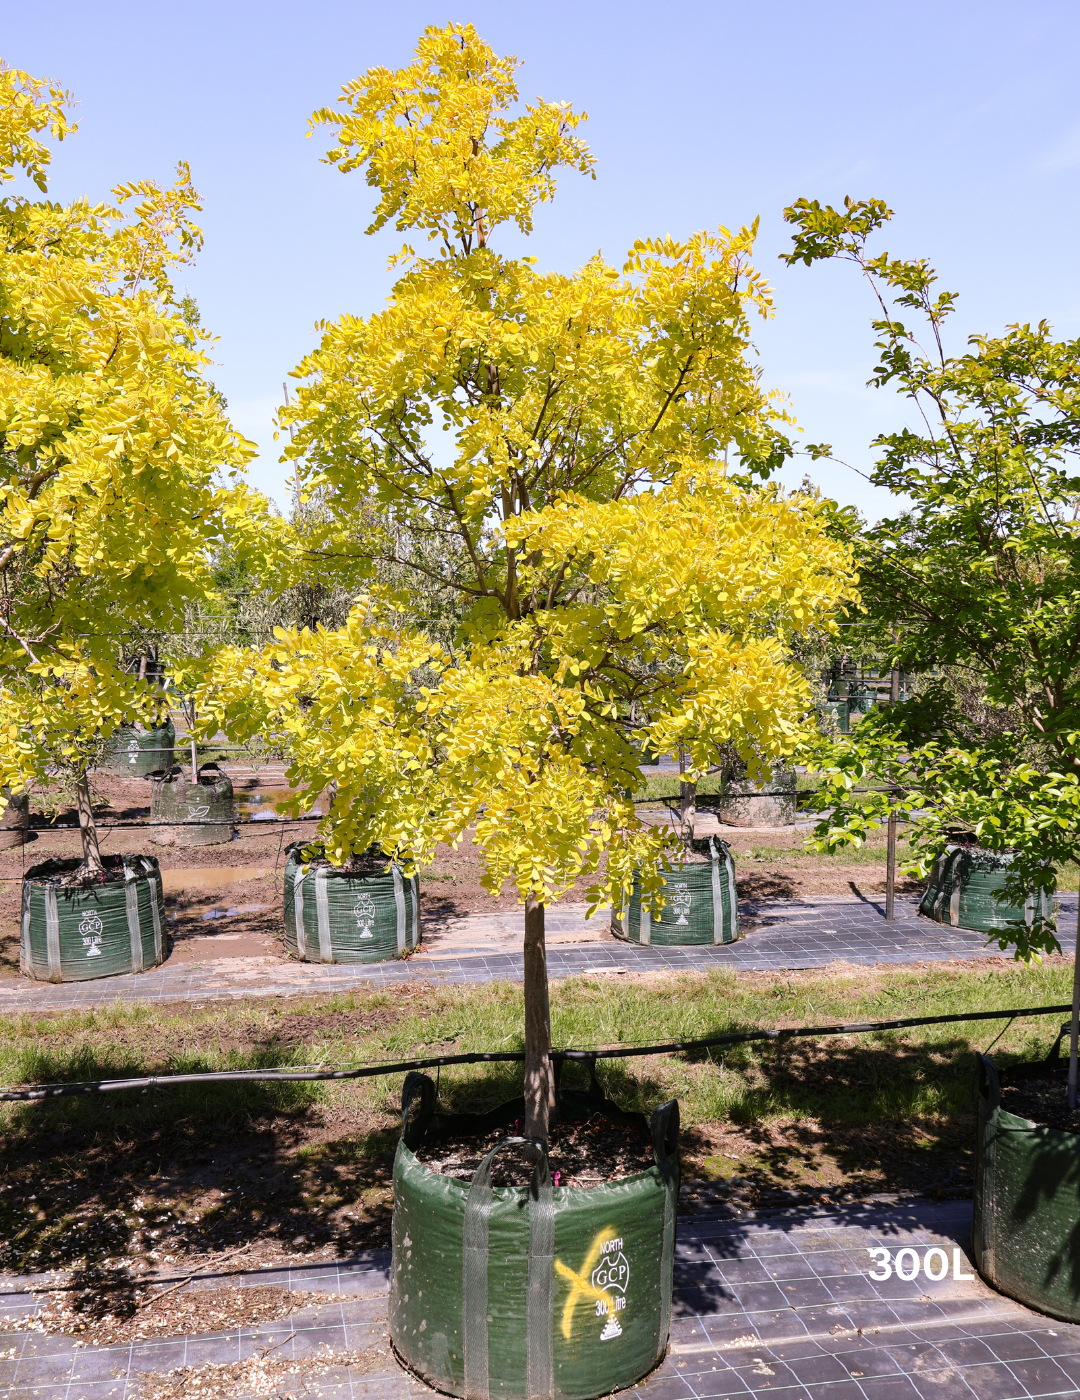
x: 583, y: 1153
x: 224, y: 901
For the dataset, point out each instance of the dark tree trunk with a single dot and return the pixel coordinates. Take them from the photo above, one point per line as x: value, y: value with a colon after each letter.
x: 87, y: 828
x: 539, y: 1079
x: 890, y: 854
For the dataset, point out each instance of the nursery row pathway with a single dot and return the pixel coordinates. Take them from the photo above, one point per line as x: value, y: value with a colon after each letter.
x: 779, y: 1305
x: 487, y: 947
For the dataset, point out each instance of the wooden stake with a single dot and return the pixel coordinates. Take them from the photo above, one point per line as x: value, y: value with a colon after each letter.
x: 890, y: 858
x: 687, y: 805
x: 1074, y: 1030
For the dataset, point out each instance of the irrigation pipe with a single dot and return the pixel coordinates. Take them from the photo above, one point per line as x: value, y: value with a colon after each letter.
x: 618, y: 1052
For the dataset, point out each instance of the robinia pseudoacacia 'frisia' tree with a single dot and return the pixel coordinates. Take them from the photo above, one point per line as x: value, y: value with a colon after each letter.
x: 110, y: 439
x: 615, y: 583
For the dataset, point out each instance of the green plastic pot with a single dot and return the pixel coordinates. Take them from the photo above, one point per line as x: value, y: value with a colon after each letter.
x: 1026, y: 1230
x: 701, y: 905
x: 961, y: 893
x: 334, y: 917
x: 539, y: 1291
x: 75, y: 934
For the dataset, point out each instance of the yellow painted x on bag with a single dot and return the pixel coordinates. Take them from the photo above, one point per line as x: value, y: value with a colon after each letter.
x: 581, y: 1285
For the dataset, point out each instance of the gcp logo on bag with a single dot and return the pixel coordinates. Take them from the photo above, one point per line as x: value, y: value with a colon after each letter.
x: 90, y: 930
x: 364, y: 914
x: 603, y: 1277
x: 681, y: 899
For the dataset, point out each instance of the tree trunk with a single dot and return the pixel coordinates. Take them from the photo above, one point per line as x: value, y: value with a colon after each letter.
x: 87, y: 829
x: 1074, y: 1035
x: 539, y: 1078
x: 687, y: 805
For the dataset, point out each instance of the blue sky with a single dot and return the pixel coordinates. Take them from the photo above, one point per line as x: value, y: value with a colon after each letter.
x: 964, y: 117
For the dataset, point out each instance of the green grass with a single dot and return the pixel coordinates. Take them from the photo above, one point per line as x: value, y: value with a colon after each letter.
x: 664, y: 786
x: 739, y: 1083
x: 92, y: 1181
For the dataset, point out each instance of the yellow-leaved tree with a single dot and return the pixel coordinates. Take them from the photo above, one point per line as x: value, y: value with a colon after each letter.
x: 112, y: 439
x: 615, y: 584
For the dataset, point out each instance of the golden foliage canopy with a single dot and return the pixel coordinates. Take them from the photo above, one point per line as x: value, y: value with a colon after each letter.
x: 567, y: 436
x: 111, y: 441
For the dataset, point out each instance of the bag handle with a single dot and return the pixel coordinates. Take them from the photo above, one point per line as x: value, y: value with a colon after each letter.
x: 539, y: 1319
x: 417, y: 1106
x: 986, y: 1080
x: 664, y: 1127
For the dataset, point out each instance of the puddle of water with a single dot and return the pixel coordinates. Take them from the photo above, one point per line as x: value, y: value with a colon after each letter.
x: 211, y: 877
x: 261, y: 806
x: 236, y: 909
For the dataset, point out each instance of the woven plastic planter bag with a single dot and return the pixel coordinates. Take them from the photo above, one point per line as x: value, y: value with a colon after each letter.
x: 202, y: 812
x: 1026, y: 1227
x: 136, y: 753
x: 773, y: 802
x: 519, y: 1293
x: 331, y: 916
x: 701, y: 905
x: 961, y: 893
x: 73, y: 934
x: 15, y: 821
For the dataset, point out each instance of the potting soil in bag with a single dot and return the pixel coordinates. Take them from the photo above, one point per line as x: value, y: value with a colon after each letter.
x: 78, y: 932
x: 1026, y: 1227
x: 961, y: 893
x: 133, y: 752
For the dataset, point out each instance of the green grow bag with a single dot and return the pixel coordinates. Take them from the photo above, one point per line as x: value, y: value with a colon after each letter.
x: 14, y: 820
x: 202, y: 812
x: 75, y: 934
x: 841, y: 712
x: 334, y: 917
x: 526, y: 1292
x: 1026, y: 1230
x: 133, y: 752
x: 701, y: 905
x: 961, y: 893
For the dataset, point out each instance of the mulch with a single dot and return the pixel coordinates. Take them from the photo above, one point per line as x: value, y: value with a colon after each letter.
x: 583, y: 1152
x: 104, y: 1314
x: 1042, y: 1101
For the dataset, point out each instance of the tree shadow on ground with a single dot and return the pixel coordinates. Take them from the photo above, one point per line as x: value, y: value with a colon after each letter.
x: 765, y: 885
x: 847, y: 1117
x: 165, y: 1176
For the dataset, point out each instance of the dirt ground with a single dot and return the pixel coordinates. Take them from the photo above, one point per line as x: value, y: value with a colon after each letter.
x: 224, y: 901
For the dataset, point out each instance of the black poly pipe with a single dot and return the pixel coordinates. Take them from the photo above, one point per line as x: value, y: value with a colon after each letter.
x: 229, y: 1076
